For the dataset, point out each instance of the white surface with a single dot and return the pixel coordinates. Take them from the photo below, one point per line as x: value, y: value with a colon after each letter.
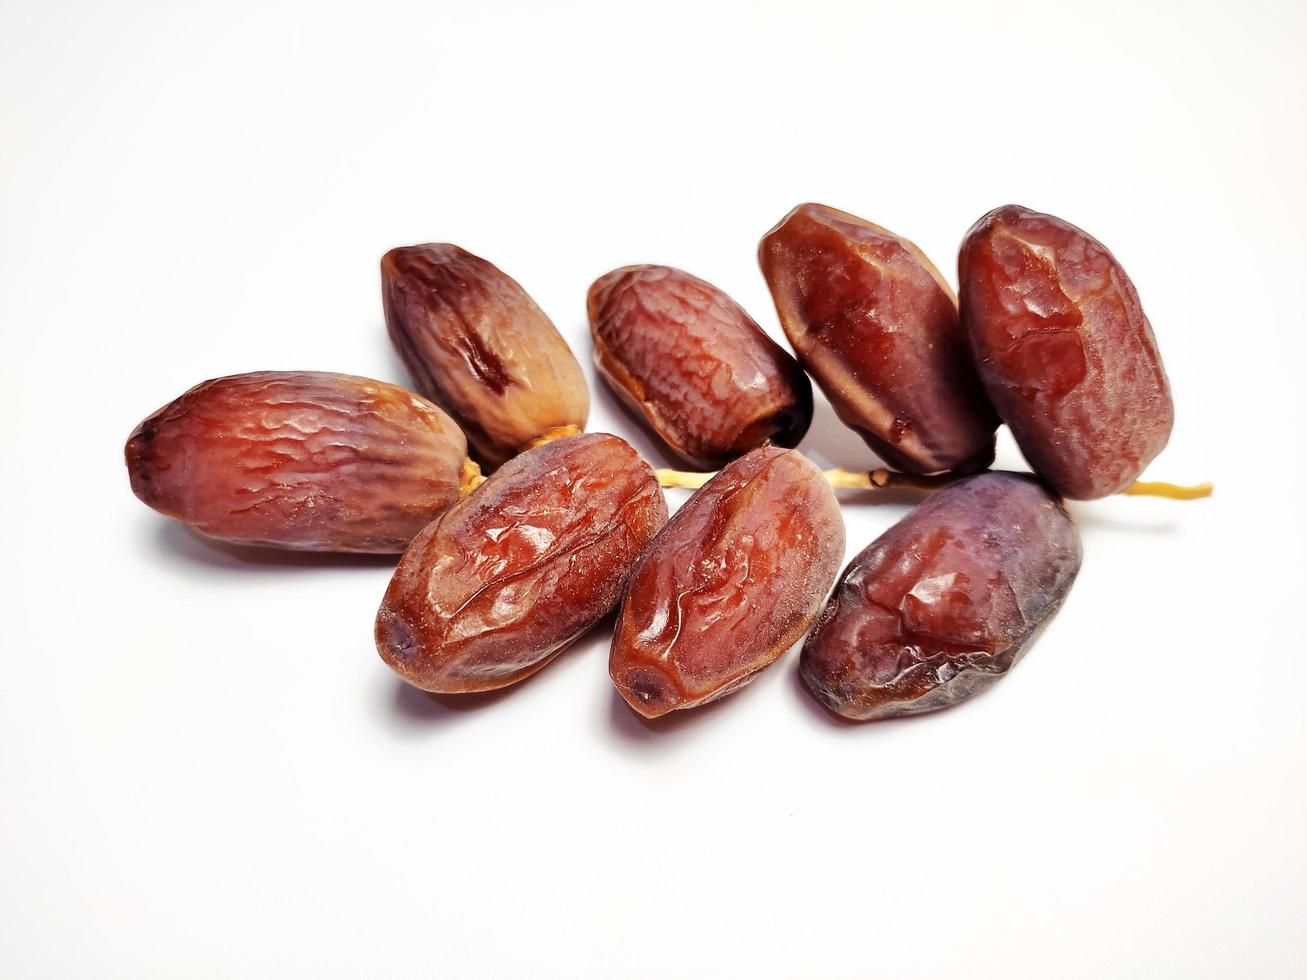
x: 206, y: 770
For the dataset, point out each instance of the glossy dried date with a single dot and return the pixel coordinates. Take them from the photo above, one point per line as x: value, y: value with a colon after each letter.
x: 1064, y: 350
x: 702, y: 373
x: 732, y: 581
x: 517, y: 570
x: 478, y: 345
x: 299, y: 459
x: 876, y: 325
x: 942, y: 604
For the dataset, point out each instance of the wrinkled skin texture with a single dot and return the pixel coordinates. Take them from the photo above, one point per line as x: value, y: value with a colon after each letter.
x: 733, y: 580
x: 477, y: 344
x: 1064, y: 350
x: 877, y: 326
x: 942, y: 604
x: 299, y: 459
x: 509, y: 576
x: 702, y: 373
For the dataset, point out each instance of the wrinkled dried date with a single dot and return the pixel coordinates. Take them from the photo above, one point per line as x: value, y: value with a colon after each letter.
x: 517, y: 570
x: 299, y: 459
x: 703, y: 374
x: 732, y: 581
x: 877, y: 326
x: 1064, y: 350
x: 941, y: 605
x: 478, y: 345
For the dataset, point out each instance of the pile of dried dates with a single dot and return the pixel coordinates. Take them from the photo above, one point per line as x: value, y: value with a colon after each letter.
x: 501, y: 572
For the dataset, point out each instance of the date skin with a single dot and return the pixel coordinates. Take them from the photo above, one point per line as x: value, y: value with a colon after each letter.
x: 505, y: 579
x: 305, y: 460
x: 699, y: 370
x: 877, y: 326
x: 732, y: 581
x: 478, y: 345
x: 942, y: 605
x: 1064, y: 350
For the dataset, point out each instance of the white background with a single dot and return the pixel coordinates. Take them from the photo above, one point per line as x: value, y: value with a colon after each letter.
x: 206, y: 771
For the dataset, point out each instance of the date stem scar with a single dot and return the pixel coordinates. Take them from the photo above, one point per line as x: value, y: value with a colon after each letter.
x: 470, y: 478
x: 881, y: 479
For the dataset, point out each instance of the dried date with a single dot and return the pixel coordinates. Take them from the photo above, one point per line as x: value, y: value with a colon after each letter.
x: 733, y: 580
x: 305, y: 460
x: 1064, y: 350
x: 478, y: 345
x: 695, y: 365
x: 505, y: 579
x: 876, y: 325
x: 941, y: 605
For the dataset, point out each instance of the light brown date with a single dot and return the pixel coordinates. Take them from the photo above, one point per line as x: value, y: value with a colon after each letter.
x: 695, y: 366
x: 943, y: 604
x: 733, y: 580
x: 478, y: 345
x: 299, y: 459
x: 877, y: 326
x: 505, y: 579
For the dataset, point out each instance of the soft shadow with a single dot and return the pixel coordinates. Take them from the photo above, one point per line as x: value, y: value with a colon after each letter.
x: 645, y: 733
x: 423, y: 708
x: 173, y: 540
x: 633, y: 727
x: 1087, y: 516
x: 426, y: 709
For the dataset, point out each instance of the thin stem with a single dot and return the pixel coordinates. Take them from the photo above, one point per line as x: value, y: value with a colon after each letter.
x: 1170, y: 491
x: 682, y: 478
x: 882, y: 479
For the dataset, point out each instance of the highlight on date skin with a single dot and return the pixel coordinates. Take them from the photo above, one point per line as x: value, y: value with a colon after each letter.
x: 700, y: 372
x: 305, y: 460
x: 1064, y: 350
x: 945, y: 602
x: 876, y: 325
x: 733, y: 580
x: 508, y: 577
x: 477, y: 345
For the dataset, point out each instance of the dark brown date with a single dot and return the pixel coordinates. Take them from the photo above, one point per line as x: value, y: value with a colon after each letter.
x: 732, y: 581
x: 701, y: 372
x: 1064, y: 350
x: 299, y: 459
x: 876, y: 325
x: 478, y: 345
x: 510, y: 575
x: 942, y: 604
